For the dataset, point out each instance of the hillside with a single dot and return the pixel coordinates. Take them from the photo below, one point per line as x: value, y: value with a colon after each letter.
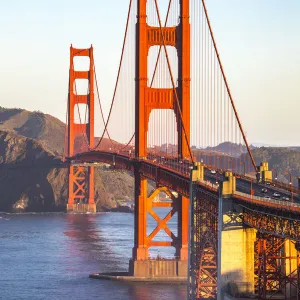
x: 232, y: 149
x: 282, y: 159
x: 35, y: 139
x: 35, y: 125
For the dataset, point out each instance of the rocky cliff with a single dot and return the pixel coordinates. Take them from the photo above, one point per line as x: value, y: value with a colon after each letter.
x: 31, y: 143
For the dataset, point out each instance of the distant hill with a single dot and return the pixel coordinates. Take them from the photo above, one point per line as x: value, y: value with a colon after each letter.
x: 44, y: 128
x: 33, y: 138
x: 232, y: 149
x: 226, y: 148
x: 282, y: 159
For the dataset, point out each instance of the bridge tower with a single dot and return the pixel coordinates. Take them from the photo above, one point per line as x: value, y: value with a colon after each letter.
x: 147, y: 99
x: 81, y: 179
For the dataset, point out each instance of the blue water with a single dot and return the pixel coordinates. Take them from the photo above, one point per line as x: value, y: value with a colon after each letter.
x: 49, y: 256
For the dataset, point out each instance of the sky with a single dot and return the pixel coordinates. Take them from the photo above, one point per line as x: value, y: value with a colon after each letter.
x: 258, y: 41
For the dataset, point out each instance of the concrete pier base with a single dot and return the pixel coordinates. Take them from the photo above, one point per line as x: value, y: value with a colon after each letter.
x: 124, y: 276
x: 237, y: 262
x: 158, y: 268
x: 81, y: 208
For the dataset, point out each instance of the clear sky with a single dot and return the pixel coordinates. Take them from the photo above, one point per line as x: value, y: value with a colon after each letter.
x: 258, y: 41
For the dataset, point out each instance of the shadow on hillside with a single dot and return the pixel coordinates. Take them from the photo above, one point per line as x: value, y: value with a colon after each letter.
x: 26, y: 190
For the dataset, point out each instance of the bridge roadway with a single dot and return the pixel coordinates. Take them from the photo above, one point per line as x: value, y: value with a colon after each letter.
x: 176, y: 176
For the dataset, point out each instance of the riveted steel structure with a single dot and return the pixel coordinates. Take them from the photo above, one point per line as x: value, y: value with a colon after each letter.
x: 81, y: 179
x: 203, y: 264
x: 274, y: 272
x: 147, y: 99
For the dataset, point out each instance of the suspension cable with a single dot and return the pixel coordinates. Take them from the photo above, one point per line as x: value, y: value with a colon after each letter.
x: 227, y: 86
x: 118, y: 76
x: 99, y: 101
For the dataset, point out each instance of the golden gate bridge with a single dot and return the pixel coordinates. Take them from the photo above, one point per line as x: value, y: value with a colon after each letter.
x: 173, y: 122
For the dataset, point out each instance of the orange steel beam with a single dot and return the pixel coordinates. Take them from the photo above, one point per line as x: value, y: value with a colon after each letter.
x: 184, y: 80
x: 147, y: 99
x: 81, y: 181
x: 145, y: 206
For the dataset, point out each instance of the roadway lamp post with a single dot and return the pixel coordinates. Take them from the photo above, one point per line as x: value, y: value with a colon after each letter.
x: 220, y: 157
x: 217, y: 177
x: 251, y: 189
x: 290, y: 183
x: 229, y: 162
x: 276, y: 174
x: 231, y: 165
x: 243, y: 163
x: 209, y: 159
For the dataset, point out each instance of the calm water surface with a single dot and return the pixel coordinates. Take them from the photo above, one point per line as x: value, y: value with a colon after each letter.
x: 49, y: 256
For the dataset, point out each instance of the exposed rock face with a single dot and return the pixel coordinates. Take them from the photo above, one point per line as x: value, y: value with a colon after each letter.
x: 23, y: 172
x: 30, y: 145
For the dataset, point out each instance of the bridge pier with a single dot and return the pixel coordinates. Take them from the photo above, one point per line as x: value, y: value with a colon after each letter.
x: 237, y: 262
x: 141, y: 265
x: 81, y: 208
x: 236, y: 254
x: 81, y: 189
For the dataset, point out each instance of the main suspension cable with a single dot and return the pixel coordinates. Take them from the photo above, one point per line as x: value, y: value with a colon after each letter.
x: 118, y: 76
x: 100, y: 105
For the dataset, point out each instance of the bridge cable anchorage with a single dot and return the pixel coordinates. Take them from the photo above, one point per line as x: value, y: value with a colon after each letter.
x: 118, y: 76
x: 100, y: 105
x: 173, y: 83
x: 227, y: 86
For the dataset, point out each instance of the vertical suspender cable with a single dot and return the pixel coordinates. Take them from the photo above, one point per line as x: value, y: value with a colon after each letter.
x: 227, y: 87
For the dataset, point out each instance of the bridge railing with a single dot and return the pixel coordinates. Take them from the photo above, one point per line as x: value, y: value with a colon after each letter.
x: 285, y: 186
x: 279, y: 203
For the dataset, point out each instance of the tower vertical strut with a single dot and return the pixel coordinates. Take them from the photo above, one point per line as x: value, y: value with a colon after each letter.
x: 81, y: 179
x: 148, y: 99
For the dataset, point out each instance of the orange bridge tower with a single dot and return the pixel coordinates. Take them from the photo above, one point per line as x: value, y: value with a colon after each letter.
x: 81, y: 132
x: 147, y: 99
